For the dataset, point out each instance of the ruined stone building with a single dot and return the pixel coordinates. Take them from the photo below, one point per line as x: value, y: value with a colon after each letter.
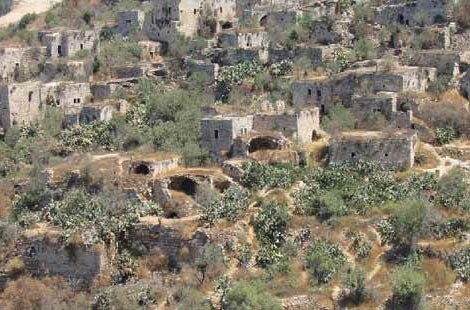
x: 323, y: 92
x: 393, y: 150
x: 66, y: 43
x: 130, y: 21
x: 14, y: 59
x: 21, y: 103
x: 220, y: 132
x: 244, y: 38
x: 170, y: 17
x: 406, y: 12
x: 447, y: 63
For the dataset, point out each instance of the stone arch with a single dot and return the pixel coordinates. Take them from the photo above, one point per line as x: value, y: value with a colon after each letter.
x: 183, y: 184
x: 227, y: 25
x: 142, y: 168
x: 263, y: 21
x: 263, y: 143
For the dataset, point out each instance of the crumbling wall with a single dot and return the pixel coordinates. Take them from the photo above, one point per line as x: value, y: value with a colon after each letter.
x: 19, y: 103
x: 297, y: 125
x: 148, y: 238
x: 79, y: 264
x: 130, y: 21
x: 393, y: 151
x: 209, y: 69
x: 218, y: 134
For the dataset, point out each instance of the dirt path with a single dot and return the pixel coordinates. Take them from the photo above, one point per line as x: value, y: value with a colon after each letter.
x: 23, y: 7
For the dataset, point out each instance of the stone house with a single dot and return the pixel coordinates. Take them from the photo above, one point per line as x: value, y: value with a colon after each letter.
x: 150, y: 49
x: 21, y: 103
x: 244, y: 38
x: 406, y: 13
x: 323, y: 91
x: 393, y: 150
x: 384, y: 103
x: 12, y: 59
x: 170, y: 17
x: 129, y: 21
x: 220, y: 133
x: 67, y: 43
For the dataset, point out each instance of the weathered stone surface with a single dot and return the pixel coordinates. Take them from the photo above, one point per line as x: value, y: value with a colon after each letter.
x: 393, y: 150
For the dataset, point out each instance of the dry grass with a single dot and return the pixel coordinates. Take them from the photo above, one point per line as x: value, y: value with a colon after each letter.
x: 14, y: 267
x: 426, y: 157
x: 453, y: 96
x: 439, y: 276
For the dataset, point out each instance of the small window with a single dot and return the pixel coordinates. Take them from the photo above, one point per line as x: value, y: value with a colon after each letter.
x: 128, y: 21
x: 30, y: 96
x: 216, y: 134
x: 81, y: 46
x: 353, y: 155
x: 309, y: 92
x: 195, y: 11
x: 319, y: 93
x: 386, y: 154
x: 220, y: 9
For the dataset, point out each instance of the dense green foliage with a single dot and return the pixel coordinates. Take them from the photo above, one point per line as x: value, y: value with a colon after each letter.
x: 408, y: 288
x: 250, y: 295
x: 231, y: 206
x: 271, y: 223
x: 460, y: 262
x: 324, y: 260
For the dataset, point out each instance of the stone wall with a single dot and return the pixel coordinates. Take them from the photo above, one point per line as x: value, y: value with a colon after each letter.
x: 78, y: 71
x: 244, y: 39
x: 446, y: 62
x: 101, y: 91
x: 209, y: 69
x: 68, y: 43
x: 19, y: 103
x: 130, y: 21
x: 79, y: 264
x: 149, y: 238
x: 391, y: 150
x: 322, y: 92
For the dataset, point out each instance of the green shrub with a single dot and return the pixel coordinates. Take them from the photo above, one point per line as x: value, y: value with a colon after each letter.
x: 233, y: 204
x: 324, y: 260
x: 271, y: 223
x: 260, y: 175
x: 460, y: 263
x: 408, y: 287
x: 360, y: 245
x: 365, y: 49
x: 210, y: 262
x: 26, y: 20
x: 355, y: 282
x: 338, y: 118
x: 405, y: 226
x: 445, y: 135
x: 250, y: 295
x: 452, y: 190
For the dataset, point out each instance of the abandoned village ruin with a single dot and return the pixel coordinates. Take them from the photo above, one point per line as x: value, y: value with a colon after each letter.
x: 236, y: 154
